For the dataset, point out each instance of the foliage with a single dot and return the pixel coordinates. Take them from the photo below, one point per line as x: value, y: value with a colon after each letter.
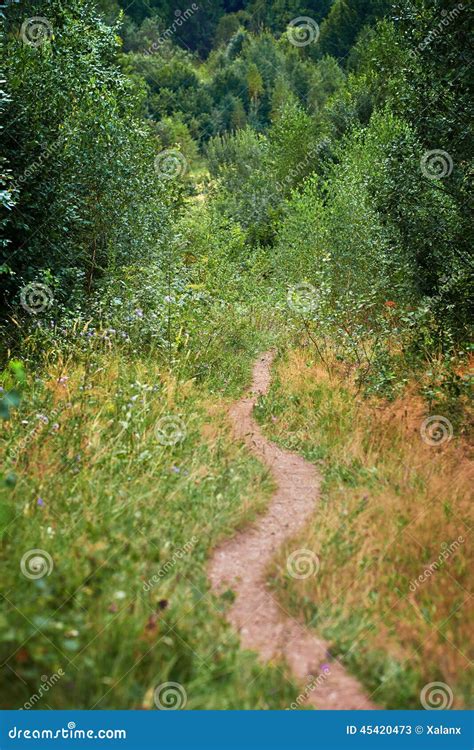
x: 89, y: 196
x: 345, y: 20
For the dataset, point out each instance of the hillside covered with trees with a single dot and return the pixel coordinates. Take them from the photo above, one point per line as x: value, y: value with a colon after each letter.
x: 184, y: 188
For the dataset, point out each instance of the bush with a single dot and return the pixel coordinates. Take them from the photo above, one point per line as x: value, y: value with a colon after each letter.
x: 89, y: 196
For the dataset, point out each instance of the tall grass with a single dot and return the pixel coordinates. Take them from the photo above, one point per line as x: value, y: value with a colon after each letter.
x: 123, y: 509
x: 391, y: 532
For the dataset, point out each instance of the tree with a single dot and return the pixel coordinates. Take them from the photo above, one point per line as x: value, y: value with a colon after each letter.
x: 280, y: 96
x: 254, y: 83
x: 89, y: 196
x: 345, y: 20
x: 238, y: 118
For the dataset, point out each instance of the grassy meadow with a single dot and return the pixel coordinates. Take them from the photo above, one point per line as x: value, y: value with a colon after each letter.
x: 124, y: 524
x: 391, y: 532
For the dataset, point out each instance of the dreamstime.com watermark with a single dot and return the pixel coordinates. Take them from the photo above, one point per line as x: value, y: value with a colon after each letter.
x: 36, y: 563
x: 302, y: 31
x: 170, y: 430
x: 180, y: 18
x: 170, y: 164
x: 433, y: 567
x: 310, y: 687
x: 36, y: 298
x: 302, y: 563
x: 436, y: 430
x: 436, y: 164
x: 48, y: 152
x: 170, y: 696
x: 67, y: 733
x: 15, y: 451
x: 46, y: 684
x: 169, y: 564
x: 436, y: 696
x: 301, y: 168
x: 36, y: 31
x: 302, y: 298
x: 280, y: 190
x: 446, y: 17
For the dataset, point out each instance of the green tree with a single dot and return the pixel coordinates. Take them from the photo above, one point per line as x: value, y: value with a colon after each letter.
x: 345, y: 20
x: 254, y: 83
x: 89, y: 196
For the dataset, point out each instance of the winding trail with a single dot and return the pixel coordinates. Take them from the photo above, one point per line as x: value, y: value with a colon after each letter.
x: 241, y: 563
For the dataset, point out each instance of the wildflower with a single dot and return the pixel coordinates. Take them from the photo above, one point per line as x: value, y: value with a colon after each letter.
x: 390, y: 303
x: 139, y: 313
x: 40, y: 501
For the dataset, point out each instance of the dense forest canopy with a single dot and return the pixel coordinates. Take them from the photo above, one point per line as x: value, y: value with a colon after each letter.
x: 267, y: 94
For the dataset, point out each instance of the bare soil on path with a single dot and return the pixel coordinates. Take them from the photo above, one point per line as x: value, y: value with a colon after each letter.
x: 241, y: 564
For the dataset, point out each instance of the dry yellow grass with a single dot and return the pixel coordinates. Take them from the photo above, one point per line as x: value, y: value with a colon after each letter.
x: 392, y: 506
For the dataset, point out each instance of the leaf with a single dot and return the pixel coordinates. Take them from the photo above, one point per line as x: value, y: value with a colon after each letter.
x: 11, y: 400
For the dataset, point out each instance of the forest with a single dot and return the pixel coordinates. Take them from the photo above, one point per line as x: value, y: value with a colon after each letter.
x: 196, y: 200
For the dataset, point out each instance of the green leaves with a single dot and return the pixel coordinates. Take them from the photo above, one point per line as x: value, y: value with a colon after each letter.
x: 89, y: 195
x: 10, y: 400
x: 18, y: 371
x: 13, y: 378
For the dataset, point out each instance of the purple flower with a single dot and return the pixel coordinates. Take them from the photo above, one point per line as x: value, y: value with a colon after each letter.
x: 40, y: 501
